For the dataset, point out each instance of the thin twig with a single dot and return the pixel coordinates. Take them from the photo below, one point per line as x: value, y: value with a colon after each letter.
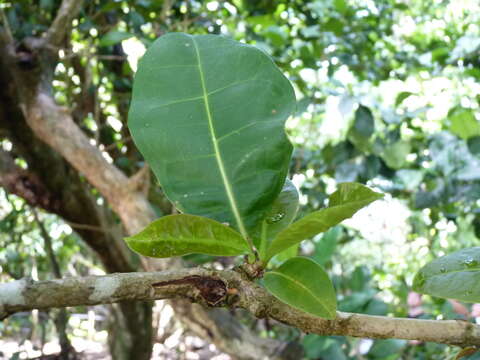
x: 6, y: 25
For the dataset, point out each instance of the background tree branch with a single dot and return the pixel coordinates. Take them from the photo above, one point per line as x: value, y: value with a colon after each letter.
x: 68, y: 10
x: 223, y: 288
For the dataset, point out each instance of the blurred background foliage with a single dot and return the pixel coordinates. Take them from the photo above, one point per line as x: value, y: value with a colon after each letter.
x: 388, y: 95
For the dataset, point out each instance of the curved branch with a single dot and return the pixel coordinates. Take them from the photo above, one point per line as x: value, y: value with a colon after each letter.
x: 223, y: 288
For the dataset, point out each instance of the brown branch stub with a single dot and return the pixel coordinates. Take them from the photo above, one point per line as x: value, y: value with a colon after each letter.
x: 215, y: 288
x: 212, y: 290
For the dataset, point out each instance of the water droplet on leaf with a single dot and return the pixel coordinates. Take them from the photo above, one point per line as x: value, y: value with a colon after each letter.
x: 275, y: 218
x: 470, y: 262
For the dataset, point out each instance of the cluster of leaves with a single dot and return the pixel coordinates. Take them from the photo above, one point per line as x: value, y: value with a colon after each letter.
x: 221, y: 156
x: 429, y: 165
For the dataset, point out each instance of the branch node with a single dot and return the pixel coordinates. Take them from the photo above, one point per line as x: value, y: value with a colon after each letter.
x: 212, y: 290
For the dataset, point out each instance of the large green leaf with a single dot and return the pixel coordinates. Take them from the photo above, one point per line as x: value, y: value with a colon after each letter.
x: 282, y: 213
x: 343, y: 203
x: 302, y: 283
x: 454, y: 276
x: 208, y: 115
x: 183, y: 234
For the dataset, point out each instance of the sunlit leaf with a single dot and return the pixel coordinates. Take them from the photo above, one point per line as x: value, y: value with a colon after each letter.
x: 464, y: 124
x: 302, y: 283
x: 183, y: 234
x: 346, y: 201
x: 454, y: 276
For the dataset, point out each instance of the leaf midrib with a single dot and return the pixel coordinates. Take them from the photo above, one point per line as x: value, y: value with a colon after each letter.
x: 218, y: 156
x: 473, y: 269
x: 299, y: 284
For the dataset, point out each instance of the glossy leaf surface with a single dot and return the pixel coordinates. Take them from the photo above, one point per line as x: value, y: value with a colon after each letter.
x: 208, y: 115
x: 454, y: 276
x: 343, y: 203
x: 183, y: 234
x: 302, y: 283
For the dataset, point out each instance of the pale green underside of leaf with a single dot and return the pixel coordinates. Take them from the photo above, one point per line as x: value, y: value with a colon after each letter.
x: 283, y: 211
x: 208, y: 115
x: 303, y: 284
x: 454, y: 276
x: 343, y: 204
x: 177, y: 235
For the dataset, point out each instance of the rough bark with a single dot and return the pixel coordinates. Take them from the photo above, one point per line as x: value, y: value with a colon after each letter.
x: 224, y: 288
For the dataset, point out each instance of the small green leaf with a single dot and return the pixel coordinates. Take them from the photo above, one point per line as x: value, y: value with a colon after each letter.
x: 177, y: 235
x: 364, y: 123
x: 114, y: 37
x: 395, y: 155
x: 474, y: 145
x: 454, y: 276
x: 402, y: 96
x: 281, y: 214
x: 346, y: 201
x: 464, y: 124
x: 303, y: 284
x: 362, y: 129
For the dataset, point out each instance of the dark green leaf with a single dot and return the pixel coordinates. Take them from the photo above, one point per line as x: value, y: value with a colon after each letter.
x: 177, y: 235
x: 208, y: 115
x: 454, y: 276
x: 364, y: 124
x: 474, y: 145
x: 383, y: 348
x: 114, y: 37
x: 346, y: 201
x: 303, y: 284
x: 362, y: 129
